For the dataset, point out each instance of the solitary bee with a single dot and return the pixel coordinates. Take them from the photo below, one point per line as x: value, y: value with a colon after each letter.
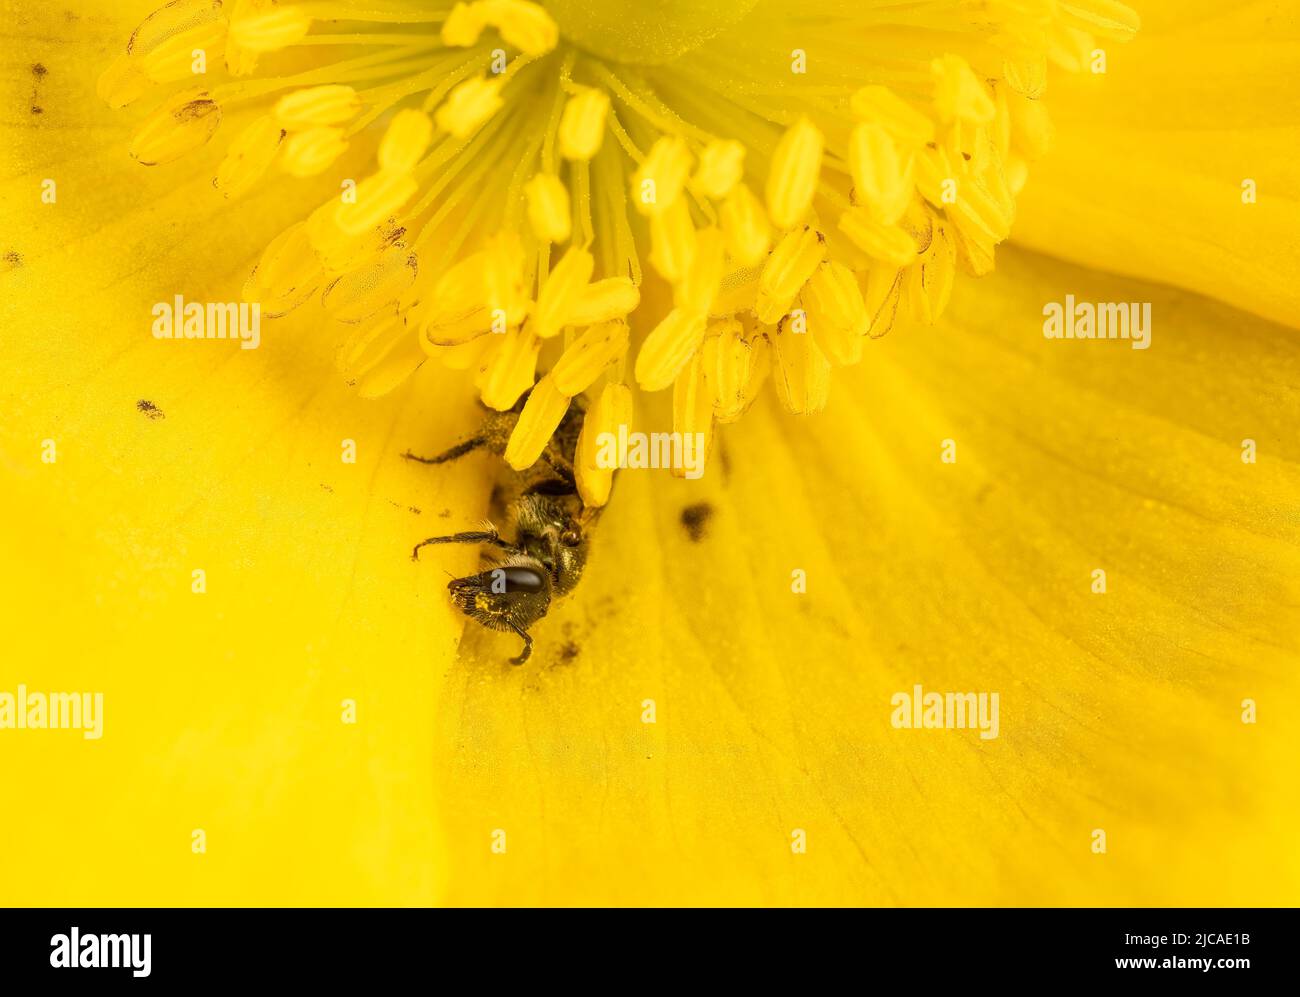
x: 549, y: 551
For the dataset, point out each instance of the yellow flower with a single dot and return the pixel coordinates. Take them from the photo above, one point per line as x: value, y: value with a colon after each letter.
x: 216, y: 539
x: 882, y: 170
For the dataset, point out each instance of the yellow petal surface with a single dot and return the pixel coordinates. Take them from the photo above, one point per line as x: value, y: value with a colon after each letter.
x: 1119, y: 711
x: 1147, y: 170
x: 223, y: 711
x: 762, y: 617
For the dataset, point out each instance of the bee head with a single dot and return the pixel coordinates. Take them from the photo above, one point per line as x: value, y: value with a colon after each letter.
x: 515, y: 594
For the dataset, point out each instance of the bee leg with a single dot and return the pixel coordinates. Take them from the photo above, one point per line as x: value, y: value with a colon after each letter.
x: 559, y: 464
x: 469, y: 537
x: 528, y: 645
x: 459, y: 450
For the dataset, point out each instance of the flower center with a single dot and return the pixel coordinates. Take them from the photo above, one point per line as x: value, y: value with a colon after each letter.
x: 649, y: 34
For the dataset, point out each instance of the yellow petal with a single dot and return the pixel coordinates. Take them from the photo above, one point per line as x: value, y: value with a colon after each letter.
x: 227, y: 706
x: 1201, y: 612
x: 693, y: 704
x: 1169, y: 199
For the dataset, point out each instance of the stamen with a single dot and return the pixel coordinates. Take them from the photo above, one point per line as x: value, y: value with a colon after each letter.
x: 542, y: 413
x: 596, y: 349
x: 582, y: 126
x: 669, y: 347
x: 183, y: 123
x: 333, y: 104
x: 612, y: 409
x: 497, y: 215
x: 796, y: 167
x: 549, y: 211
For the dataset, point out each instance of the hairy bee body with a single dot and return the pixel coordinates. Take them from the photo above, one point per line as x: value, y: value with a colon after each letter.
x: 544, y: 513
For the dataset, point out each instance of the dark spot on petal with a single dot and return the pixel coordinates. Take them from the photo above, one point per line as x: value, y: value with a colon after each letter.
x: 13, y: 260
x: 37, y: 109
x: 38, y: 70
x: 327, y: 488
x: 696, y: 520
x: 151, y: 410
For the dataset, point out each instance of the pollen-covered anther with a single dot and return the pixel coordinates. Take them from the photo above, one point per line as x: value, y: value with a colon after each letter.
x: 469, y: 105
x: 668, y: 348
x: 311, y: 152
x: 745, y: 226
x: 880, y: 105
x: 122, y: 83
x: 288, y: 273
x: 1107, y: 18
x: 249, y: 156
x: 527, y: 26
x: 456, y: 309
x: 692, y: 416
x: 377, y: 197
x: 340, y: 251
x: 503, y: 281
x: 836, y: 313
x: 658, y: 181
x: 332, y: 104
x: 791, y: 264
x: 582, y: 124
x: 887, y: 243
x: 549, y: 212
x: 511, y: 368
x: 463, y: 25
x: 184, y: 122
x: 929, y: 283
x: 405, y: 141
x: 722, y: 164
x: 374, y: 287
x: 672, y: 241
x: 796, y: 168
x: 958, y: 93
x: 562, y: 292
x: 174, y: 58
x: 268, y: 29
x: 611, y: 409
x: 602, y: 300
x: 699, y: 285
x: 728, y: 358
x: 801, y: 370
x: 378, y: 356
x: 590, y: 354
x: 537, y: 423
x: 882, y: 172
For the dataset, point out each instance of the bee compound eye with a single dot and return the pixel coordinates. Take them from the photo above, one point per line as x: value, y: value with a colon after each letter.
x: 519, y: 579
x: 570, y: 537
